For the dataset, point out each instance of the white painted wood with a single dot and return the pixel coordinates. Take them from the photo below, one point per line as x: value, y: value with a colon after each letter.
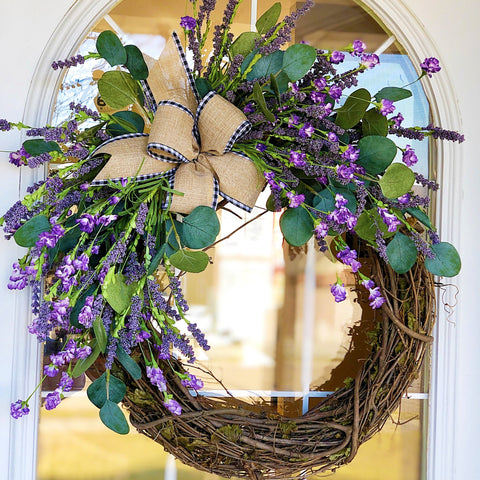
x: 35, y: 33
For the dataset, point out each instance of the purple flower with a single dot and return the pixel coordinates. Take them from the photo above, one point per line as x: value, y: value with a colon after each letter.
x: 188, y: 23
x: 332, y: 137
x: 107, y: 219
x: 369, y: 60
x: 114, y: 200
x: 83, y: 352
x: 295, y: 200
x: 321, y: 230
x: 306, y: 130
x: 86, y: 223
x: 398, y: 119
x: 340, y: 200
x: 293, y: 120
x: 81, y: 263
x: 157, y: 378
x: 376, y: 298
x: 297, y: 158
x: 339, y: 292
x: 294, y: 87
x: 19, y: 409
x: 84, y: 186
x: 386, y: 106
x: 248, y: 108
x: 358, y: 47
x: 66, y: 382
x: 53, y: 400
x: 337, y: 57
x: 409, y: 158
x: 50, y: 370
x: 404, y: 199
x: 320, y: 83
x: 389, y: 219
x: 351, y: 153
x: 335, y: 92
x: 368, y: 283
x: 345, y: 172
x: 317, y: 97
x: 192, y: 382
x: 86, y: 315
x: 261, y: 147
x: 430, y: 65
x: 173, y: 406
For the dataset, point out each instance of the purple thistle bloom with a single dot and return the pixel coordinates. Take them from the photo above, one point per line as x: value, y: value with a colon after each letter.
x: 430, y: 65
x: 192, y: 382
x: 370, y: 60
x: 409, y: 158
x: 335, y: 92
x: 358, y: 47
x: 386, y: 107
x: 173, y: 406
x: 53, y: 400
x: 295, y: 200
x: 339, y: 292
x: 86, y: 223
x: 188, y: 23
x: 157, y: 378
x: 337, y: 57
x: 306, y: 130
x: 19, y: 409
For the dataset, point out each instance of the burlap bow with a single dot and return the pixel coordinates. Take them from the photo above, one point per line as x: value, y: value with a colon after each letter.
x: 196, y: 137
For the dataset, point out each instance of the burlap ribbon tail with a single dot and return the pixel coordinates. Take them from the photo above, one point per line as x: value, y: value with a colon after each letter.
x: 189, y: 143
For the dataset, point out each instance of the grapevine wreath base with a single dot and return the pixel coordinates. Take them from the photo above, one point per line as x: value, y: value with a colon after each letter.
x: 230, y: 437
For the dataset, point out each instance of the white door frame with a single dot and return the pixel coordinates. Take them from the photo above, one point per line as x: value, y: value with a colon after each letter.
x: 19, y: 445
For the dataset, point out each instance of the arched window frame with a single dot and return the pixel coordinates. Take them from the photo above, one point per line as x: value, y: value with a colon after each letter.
x: 408, y: 30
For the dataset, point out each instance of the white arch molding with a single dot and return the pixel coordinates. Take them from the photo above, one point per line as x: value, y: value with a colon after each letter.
x: 398, y: 18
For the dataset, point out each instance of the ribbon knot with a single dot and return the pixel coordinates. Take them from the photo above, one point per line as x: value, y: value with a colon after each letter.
x: 189, y: 143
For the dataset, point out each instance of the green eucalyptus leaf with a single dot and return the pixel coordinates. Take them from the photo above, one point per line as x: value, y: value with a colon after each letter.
x: 113, y: 418
x: 130, y: 365
x: 296, y: 225
x: 376, y: 153
x: 155, y: 262
x: 200, y: 227
x: 116, y: 292
x: 258, y: 96
x: 135, y: 63
x: 267, y: 65
x: 100, y: 333
x: 27, y: 234
x: 393, y: 94
x: 111, y: 49
x: 203, y: 86
x: 397, y: 180
x: 37, y: 146
x: 298, y: 60
x: 85, y: 363
x: 367, y: 223
x: 189, y: 261
x: 374, y: 123
x: 118, y: 89
x: 401, y: 253
x: 447, y: 262
x: 97, y: 391
x: 269, y: 18
x: 125, y: 122
x: 324, y: 201
x: 353, y: 109
x: 421, y: 216
x: 244, y: 44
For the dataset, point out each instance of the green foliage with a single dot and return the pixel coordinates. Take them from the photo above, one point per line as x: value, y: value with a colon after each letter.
x: 244, y: 44
x: 97, y: 391
x: 113, y: 418
x: 298, y: 60
x: 116, y: 292
x: 125, y: 122
x: 190, y: 261
x: 376, y: 153
x: 130, y: 365
x: 37, y: 146
x: 366, y: 226
x: 258, y: 96
x: 297, y: 226
x: 118, y: 89
x: 27, y: 234
x: 374, y: 123
x: 269, y: 18
x: 111, y: 49
x: 393, y: 94
x: 397, y: 180
x: 203, y: 86
x: 200, y: 227
x: 353, y: 109
x: 420, y: 215
x: 84, y: 364
x: 401, y: 253
x: 446, y: 263
x: 135, y: 63
x: 100, y: 334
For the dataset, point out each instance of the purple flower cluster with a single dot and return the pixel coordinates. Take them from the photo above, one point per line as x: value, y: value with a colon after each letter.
x: 191, y: 381
x: 338, y: 291
x: 409, y: 158
x: 69, y: 62
x: 390, y: 220
x: 430, y: 65
x: 173, y: 406
x: 157, y: 378
x: 188, y: 23
x: 349, y: 257
x: 19, y: 409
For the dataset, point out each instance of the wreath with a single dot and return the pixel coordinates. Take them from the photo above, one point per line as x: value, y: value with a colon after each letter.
x: 134, y: 206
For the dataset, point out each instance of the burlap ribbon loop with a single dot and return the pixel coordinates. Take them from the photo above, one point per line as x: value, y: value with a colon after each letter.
x: 189, y: 142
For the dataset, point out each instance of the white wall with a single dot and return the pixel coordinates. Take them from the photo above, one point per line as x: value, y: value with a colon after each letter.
x: 25, y: 29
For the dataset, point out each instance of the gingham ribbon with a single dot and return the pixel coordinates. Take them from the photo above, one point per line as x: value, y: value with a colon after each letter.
x: 189, y: 143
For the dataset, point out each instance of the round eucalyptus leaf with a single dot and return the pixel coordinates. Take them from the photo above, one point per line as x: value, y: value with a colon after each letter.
x: 393, y: 93
x: 200, y: 228
x: 188, y: 261
x: 397, y: 180
x: 297, y: 226
x: 447, y: 262
x: 269, y: 18
x: 401, y: 253
x: 353, y: 109
x: 298, y: 60
x: 118, y: 89
x: 135, y: 63
x: 112, y: 417
x: 376, y: 153
x: 97, y: 391
x: 111, y: 49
